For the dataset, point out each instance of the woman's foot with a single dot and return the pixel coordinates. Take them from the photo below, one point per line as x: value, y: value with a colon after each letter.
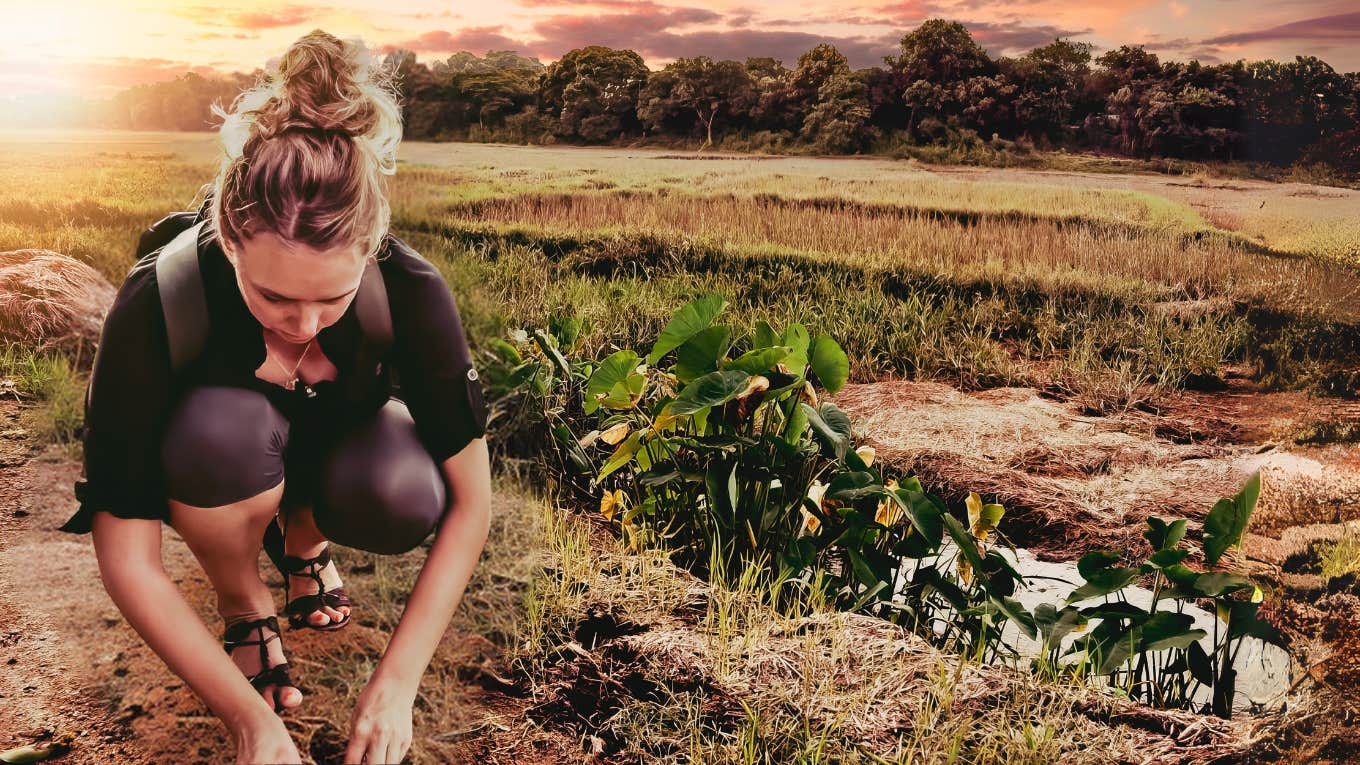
x: 245, y: 654
x: 302, y: 583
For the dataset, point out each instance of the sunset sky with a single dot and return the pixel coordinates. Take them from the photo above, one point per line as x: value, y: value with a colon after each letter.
x: 96, y: 47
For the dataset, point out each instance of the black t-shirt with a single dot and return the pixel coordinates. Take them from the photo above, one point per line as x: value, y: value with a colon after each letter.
x: 132, y: 389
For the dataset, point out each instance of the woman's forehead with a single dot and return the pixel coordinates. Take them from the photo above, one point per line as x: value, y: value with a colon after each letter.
x: 297, y: 272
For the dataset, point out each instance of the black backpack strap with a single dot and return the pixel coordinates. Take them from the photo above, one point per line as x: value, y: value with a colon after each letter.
x: 182, y: 297
x: 375, y: 333
x: 372, y: 310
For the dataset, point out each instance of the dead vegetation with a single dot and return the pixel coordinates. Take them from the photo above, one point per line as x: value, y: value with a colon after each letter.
x: 642, y: 662
x: 50, y: 302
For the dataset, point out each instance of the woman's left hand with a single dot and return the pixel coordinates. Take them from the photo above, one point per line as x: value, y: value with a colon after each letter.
x: 380, y: 728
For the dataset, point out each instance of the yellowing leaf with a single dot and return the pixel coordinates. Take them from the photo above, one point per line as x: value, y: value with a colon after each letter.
x: 611, y: 502
x: 982, y: 519
x: 810, y: 521
x: 867, y: 454
x: 808, y: 395
x: 615, y: 433
x: 754, y: 385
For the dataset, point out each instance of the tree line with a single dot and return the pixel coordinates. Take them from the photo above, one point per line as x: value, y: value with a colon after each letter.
x: 940, y: 88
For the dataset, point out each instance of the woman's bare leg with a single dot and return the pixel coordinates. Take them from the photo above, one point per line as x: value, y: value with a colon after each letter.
x: 227, y: 540
x: 304, y: 540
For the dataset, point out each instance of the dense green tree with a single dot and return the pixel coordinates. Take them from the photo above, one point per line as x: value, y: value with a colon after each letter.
x: 839, y: 121
x: 1048, y: 84
x: 936, y: 61
x: 700, y: 87
x: 593, y: 92
x: 775, y: 106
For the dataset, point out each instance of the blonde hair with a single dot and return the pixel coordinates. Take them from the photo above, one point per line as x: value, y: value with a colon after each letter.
x: 307, y: 150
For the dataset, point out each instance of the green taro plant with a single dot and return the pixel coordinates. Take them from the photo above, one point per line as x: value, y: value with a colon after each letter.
x: 1156, y: 655
x: 718, y: 448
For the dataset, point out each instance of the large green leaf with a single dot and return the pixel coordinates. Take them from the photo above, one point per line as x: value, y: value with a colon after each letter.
x: 622, y: 454
x: 1228, y: 520
x: 848, y: 487
x: 1162, y: 535
x: 1168, y: 629
x: 758, y: 361
x: 829, y: 363
x: 692, y: 318
x: 1016, y: 612
x: 1217, y: 583
x: 1055, y: 625
x: 765, y: 336
x: 796, y: 338
x: 1103, y: 582
x: 700, y: 354
x: 614, y: 370
x: 831, y: 426
x: 713, y: 389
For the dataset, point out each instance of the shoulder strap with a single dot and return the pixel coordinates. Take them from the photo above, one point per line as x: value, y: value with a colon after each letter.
x: 186, y: 309
x: 182, y: 299
x: 372, y: 310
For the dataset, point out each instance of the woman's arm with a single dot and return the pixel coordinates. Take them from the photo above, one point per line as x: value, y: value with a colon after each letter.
x: 130, y: 566
x: 439, y: 587
x: 382, y: 717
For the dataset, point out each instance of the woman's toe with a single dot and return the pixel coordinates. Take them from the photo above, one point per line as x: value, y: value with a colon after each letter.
x: 335, y: 616
x: 320, y: 618
x: 289, y: 696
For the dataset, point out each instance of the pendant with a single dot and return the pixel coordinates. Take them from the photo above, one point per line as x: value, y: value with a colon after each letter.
x: 290, y: 384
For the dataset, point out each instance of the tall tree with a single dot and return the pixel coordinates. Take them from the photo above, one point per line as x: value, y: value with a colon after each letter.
x: 936, y: 61
x: 593, y: 92
x: 701, y: 86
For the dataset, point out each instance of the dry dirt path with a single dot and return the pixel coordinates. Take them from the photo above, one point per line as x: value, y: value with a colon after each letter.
x: 70, y: 664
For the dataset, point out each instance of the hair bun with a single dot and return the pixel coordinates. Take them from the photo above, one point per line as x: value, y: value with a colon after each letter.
x: 319, y: 85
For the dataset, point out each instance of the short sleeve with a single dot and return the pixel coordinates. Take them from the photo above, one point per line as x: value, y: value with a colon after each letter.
x: 437, y: 377
x: 126, y: 407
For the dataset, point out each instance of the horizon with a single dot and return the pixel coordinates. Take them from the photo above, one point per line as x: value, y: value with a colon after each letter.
x: 66, y: 53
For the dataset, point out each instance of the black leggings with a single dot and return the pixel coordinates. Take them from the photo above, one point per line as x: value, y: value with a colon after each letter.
x: 372, y: 487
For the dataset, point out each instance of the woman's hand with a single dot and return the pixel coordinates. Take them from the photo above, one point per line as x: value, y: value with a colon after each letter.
x: 267, y: 743
x: 380, y: 728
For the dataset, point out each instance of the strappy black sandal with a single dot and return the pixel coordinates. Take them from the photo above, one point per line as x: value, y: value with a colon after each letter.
x: 277, y: 675
x: 303, y: 606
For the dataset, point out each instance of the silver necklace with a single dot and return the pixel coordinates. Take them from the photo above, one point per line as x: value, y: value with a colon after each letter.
x: 291, y: 383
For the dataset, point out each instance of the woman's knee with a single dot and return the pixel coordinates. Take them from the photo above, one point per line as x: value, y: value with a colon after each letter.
x: 381, y: 490
x: 222, y: 445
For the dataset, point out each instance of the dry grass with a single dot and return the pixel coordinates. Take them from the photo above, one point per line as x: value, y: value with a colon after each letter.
x: 645, y: 663
x: 51, y: 302
x: 1079, y: 254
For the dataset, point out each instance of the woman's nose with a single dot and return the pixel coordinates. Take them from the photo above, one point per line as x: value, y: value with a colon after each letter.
x: 308, y: 322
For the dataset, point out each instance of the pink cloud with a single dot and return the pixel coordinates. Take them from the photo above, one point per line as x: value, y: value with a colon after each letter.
x: 475, y: 39
x: 1342, y: 27
x: 283, y: 16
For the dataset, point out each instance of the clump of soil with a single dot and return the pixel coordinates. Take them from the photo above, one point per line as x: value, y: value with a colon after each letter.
x: 1072, y: 482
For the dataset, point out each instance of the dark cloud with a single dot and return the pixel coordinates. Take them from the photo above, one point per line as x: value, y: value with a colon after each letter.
x: 1183, y: 48
x: 1344, y: 27
x: 475, y: 39
x: 1010, y: 38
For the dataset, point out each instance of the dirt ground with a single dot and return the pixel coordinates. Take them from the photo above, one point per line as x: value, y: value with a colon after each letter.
x: 71, y: 667
x: 1072, y: 483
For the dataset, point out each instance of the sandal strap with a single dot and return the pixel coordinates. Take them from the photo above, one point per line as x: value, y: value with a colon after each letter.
x: 294, y: 564
x: 275, y: 675
x: 306, y: 604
